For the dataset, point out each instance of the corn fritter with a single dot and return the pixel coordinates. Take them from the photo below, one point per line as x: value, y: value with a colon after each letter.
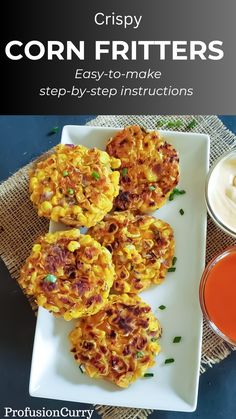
x: 119, y: 343
x: 149, y: 169
x: 68, y: 273
x: 75, y: 185
x: 142, y: 249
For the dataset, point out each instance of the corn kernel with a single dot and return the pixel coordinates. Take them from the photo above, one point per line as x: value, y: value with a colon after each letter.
x: 115, y: 163
x: 77, y: 210
x: 49, y: 238
x: 46, y: 206
x: 126, y: 287
x: 73, y: 245
x: 68, y: 316
x: 40, y: 174
x: 33, y: 276
x: 82, y: 219
x: 54, y: 309
x: 86, y: 239
x: 104, y: 157
x: 36, y: 248
x: 115, y: 176
x: 33, y: 182
x: 151, y: 177
x: 54, y: 200
x: 41, y: 300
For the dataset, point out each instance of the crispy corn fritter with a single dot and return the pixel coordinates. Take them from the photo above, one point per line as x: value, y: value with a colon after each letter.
x: 142, y: 249
x: 75, y: 185
x: 68, y: 273
x: 119, y: 343
x: 149, y: 169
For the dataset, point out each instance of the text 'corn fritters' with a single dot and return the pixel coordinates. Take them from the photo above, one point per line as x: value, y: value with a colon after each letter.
x: 142, y: 249
x: 68, y: 273
x: 149, y: 169
x: 75, y: 185
x: 120, y: 342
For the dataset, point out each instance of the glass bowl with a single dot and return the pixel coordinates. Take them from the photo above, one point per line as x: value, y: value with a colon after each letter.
x: 203, y: 304
x: 219, y: 222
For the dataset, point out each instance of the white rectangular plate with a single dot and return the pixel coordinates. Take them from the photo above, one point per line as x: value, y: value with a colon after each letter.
x: 54, y: 373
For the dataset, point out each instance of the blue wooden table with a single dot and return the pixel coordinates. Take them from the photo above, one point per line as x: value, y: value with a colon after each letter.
x: 22, y: 139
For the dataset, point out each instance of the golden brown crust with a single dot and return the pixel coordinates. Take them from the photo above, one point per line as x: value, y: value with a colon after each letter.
x: 119, y: 343
x: 75, y: 185
x: 68, y: 273
x: 142, y: 249
x: 149, y: 169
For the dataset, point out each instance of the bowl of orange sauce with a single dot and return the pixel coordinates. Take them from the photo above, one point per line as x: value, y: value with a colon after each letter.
x: 217, y: 294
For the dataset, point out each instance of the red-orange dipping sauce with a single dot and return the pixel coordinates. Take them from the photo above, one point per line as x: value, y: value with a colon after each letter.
x: 218, y: 294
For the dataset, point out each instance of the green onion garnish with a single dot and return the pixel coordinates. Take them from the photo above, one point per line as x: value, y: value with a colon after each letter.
x: 151, y: 188
x: 81, y: 369
x: 181, y: 211
x: 50, y: 278
x: 162, y: 307
x: 65, y: 173
x: 172, y: 269
x: 174, y: 260
x: 96, y: 175
x: 169, y: 360
x: 148, y: 374
x: 53, y: 131
x: 160, y: 123
x: 176, y: 192
x: 177, y: 339
x: 124, y: 171
x: 139, y: 354
x: 192, y: 124
x: 174, y: 124
x: 154, y: 339
x: 70, y: 191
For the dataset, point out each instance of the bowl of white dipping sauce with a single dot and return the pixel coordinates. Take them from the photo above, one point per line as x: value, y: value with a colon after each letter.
x: 220, y: 192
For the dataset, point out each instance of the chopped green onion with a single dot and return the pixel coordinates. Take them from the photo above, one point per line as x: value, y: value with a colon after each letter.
x: 178, y: 123
x: 81, y: 369
x: 148, y: 374
x: 154, y: 339
x: 172, y: 269
x: 162, y: 307
x: 139, y: 354
x: 169, y: 124
x: 181, y: 211
x: 176, y: 192
x: 160, y: 123
x: 169, y: 360
x: 192, y: 124
x: 65, y: 173
x: 96, y: 175
x: 53, y: 131
x: 174, y: 260
x: 177, y: 339
x: 179, y: 191
x: 124, y: 171
x: 152, y: 188
x: 174, y: 124
x: 50, y: 278
x: 70, y: 191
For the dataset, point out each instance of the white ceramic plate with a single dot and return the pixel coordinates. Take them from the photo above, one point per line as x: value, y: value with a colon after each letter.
x: 54, y: 373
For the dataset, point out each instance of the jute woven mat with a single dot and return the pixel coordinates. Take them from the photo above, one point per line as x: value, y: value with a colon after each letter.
x: 20, y: 226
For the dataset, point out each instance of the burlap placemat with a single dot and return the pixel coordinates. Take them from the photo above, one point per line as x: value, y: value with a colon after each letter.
x: 20, y: 226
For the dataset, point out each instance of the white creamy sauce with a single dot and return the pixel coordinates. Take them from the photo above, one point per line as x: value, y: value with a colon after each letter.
x: 222, y: 191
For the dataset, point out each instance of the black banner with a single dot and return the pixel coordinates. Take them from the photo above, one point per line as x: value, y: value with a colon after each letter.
x: 86, y: 57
